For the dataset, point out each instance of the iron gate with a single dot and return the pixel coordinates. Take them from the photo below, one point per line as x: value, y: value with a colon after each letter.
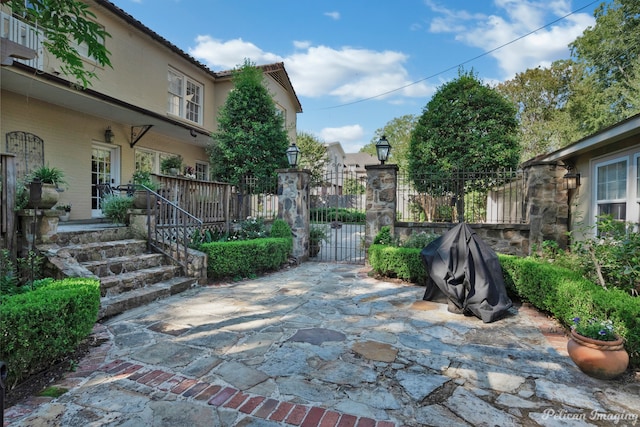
x: 337, y: 207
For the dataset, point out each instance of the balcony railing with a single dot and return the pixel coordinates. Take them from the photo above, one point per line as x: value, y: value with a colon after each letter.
x: 25, y: 35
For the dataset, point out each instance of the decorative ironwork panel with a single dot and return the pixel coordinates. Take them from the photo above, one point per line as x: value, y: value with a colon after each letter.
x: 28, y: 149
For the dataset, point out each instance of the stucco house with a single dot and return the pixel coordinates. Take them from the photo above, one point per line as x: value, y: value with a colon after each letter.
x: 155, y: 102
x: 607, y: 167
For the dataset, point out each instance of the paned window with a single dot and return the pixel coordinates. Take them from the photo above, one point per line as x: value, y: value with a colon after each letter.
x: 611, y: 189
x: 184, y: 97
x: 202, y: 171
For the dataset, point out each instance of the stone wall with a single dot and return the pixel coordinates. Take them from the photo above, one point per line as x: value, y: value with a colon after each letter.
x: 546, y: 209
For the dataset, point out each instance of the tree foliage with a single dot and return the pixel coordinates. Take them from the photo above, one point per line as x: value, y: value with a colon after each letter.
x: 540, y: 96
x: 66, y: 24
x: 465, y: 126
x: 398, y: 132
x: 313, y: 156
x: 251, y: 139
x: 609, y: 53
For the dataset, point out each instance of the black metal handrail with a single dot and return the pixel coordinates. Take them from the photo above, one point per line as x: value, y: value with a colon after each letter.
x: 173, y: 228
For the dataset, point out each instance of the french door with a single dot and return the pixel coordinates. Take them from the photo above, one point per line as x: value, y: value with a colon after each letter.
x: 105, y: 169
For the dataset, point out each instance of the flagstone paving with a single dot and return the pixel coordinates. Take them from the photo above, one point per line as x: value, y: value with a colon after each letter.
x: 326, y: 345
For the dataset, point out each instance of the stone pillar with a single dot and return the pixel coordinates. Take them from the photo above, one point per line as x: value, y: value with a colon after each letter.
x: 293, y: 207
x: 381, y: 199
x: 140, y: 223
x: 546, y: 204
x: 38, y: 226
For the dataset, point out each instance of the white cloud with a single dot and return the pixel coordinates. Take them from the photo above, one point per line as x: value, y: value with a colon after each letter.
x: 350, y: 137
x: 333, y: 15
x: 316, y: 71
x: 229, y: 54
x: 517, y: 18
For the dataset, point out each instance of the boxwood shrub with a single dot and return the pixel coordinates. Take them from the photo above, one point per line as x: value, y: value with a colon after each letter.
x: 245, y: 258
x: 39, y: 327
x: 561, y: 292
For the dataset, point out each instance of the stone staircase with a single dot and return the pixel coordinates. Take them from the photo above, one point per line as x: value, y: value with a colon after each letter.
x: 129, y: 276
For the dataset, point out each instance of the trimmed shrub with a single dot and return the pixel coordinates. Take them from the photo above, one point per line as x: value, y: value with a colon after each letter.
x: 338, y: 214
x: 401, y: 263
x: 245, y: 258
x: 37, y: 328
x: 280, y: 228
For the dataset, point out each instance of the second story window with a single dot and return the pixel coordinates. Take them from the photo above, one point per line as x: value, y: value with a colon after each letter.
x: 184, y: 98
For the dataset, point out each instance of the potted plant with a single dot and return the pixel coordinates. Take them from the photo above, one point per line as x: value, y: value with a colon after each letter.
x: 51, y: 178
x: 596, y: 348
x: 115, y: 207
x: 142, y: 178
x: 317, y: 234
x: 171, y: 165
x: 65, y: 212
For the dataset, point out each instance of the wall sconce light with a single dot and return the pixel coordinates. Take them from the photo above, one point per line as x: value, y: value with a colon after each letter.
x: 108, y: 135
x: 571, y: 180
x: 382, y: 149
x: 292, y: 155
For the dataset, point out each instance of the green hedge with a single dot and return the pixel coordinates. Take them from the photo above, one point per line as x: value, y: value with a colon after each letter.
x: 245, y: 258
x: 561, y: 292
x: 398, y: 262
x: 338, y: 214
x: 39, y: 327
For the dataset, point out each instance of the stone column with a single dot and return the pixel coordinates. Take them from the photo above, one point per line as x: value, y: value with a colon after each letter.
x: 381, y: 199
x: 293, y: 207
x: 546, y: 204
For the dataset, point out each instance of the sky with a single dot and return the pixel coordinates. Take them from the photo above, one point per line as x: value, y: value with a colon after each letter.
x: 358, y: 64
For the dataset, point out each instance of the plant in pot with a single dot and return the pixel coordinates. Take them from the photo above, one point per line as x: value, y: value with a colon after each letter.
x: 52, y: 179
x: 171, y: 165
x: 317, y: 234
x: 143, y: 179
x: 596, y: 348
x: 65, y: 211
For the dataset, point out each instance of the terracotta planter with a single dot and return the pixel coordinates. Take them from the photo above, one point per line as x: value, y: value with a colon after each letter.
x: 599, y: 359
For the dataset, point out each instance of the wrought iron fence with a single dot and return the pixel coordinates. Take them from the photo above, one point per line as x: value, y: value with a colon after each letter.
x: 473, y: 197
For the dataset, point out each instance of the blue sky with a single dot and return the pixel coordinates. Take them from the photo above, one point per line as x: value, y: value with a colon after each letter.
x: 357, y: 64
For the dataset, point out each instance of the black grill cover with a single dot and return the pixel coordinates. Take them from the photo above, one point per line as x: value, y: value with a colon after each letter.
x: 468, y: 272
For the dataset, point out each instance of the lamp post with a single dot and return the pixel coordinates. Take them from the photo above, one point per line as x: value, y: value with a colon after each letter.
x: 293, y: 152
x: 383, y: 148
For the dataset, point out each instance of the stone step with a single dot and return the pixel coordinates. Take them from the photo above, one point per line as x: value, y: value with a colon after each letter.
x: 124, y: 264
x: 100, y: 250
x: 126, y: 282
x: 116, y: 304
x: 78, y: 237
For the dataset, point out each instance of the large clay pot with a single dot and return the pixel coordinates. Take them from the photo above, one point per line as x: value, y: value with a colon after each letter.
x: 48, y: 199
x: 599, y: 359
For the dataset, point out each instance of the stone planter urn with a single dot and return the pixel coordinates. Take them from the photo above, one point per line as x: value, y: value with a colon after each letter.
x: 599, y: 359
x: 140, y: 199
x: 48, y: 199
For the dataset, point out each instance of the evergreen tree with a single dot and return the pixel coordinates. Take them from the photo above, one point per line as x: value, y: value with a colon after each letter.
x: 251, y: 140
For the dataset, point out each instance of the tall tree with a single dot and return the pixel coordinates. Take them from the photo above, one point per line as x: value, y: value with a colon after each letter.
x: 251, y: 139
x: 67, y: 24
x: 466, y: 126
x: 540, y: 96
x: 610, y: 55
x: 398, y: 132
x: 313, y: 156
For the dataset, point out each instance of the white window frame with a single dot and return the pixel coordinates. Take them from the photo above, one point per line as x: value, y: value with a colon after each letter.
x: 631, y: 197
x: 179, y: 102
x: 202, y: 175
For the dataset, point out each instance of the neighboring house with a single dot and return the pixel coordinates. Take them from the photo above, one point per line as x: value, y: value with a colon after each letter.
x: 608, y: 164
x: 155, y: 102
x: 355, y: 163
x: 333, y: 170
